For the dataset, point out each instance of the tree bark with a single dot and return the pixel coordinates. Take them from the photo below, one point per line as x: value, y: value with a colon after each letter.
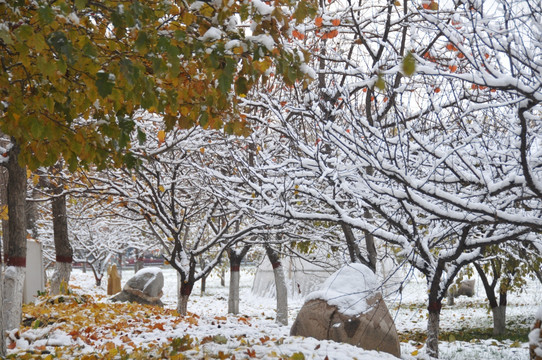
x: 184, y: 294
x: 499, y: 312
x: 235, y: 276
x: 16, y: 244
x: 3, y: 201
x: 353, y: 248
x: 64, y: 251
x: 31, y: 210
x: 499, y: 320
x: 233, y: 297
x: 433, y: 328
x: 203, y: 285
x: 498, y: 309
x: 280, y: 284
x: 139, y: 264
x: 2, y: 338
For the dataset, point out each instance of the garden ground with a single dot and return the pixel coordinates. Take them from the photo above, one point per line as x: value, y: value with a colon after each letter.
x: 85, y: 325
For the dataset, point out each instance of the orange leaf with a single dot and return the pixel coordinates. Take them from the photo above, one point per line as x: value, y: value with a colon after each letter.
x: 251, y: 353
x: 318, y: 21
x: 437, y: 90
x: 264, y: 339
x: 453, y: 68
x: 336, y: 22
x: 159, y: 326
x: 331, y: 34
x: 298, y: 35
x: 244, y: 320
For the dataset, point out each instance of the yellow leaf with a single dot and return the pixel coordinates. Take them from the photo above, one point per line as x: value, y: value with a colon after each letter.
x: 161, y: 188
x: 414, y: 353
x: 202, y: 150
x: 161, y: 136
x: 238, y: 50
x: 4, y: 212
x: 206, y: 10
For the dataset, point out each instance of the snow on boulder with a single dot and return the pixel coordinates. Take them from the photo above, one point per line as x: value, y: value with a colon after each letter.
x: 145, y: 287
x: 349, y: 308
x: 535, y: 337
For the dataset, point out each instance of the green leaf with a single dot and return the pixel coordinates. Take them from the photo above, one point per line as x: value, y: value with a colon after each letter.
x: 46, y: 15
x: 61, y: 66
x: 24, y: 32
x: 204, y: 119
x: 298, y: 356
x: 58, y: 41
x: 105, y: 87
x: 47, y: 68
x: 6, y: 37
x: 89, y: 50
x: 36, y: 129
x: 380, y: 83
x: 241, y: 86
x: 409, y: 64
x: 141, y: 41
x: 80, y: 4
x: 224, y: 82
x: 220, y: 339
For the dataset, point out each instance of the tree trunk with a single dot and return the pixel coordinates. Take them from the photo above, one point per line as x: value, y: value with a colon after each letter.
x: 120, y: 266
x: 499, y: 320
x: 233, y: 298
x: 280, y: 284
x: 16, y: 244
x: 63, y: 249
x: 139, y: 264
x: 31, y: 210
x: 61, y: 277
x: 2, y: 339
x: 498, y: 309
x: 499, y: 312
x: 353, y: 248
x: 235, y: 276
x: 203, y: 285
x: 3, y: 201
x: 184, y: 294
x: 433, y: 328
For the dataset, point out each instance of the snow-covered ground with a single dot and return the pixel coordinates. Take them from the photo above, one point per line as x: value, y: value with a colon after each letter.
x: 256, y: 330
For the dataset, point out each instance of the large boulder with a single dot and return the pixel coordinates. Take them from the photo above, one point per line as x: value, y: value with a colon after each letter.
x: 145, y: 287
x: 465, y: 288
x: 349, y: 309
x: 535, y: 337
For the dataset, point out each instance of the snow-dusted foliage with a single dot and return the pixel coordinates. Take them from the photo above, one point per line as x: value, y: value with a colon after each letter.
x: 166, y: 191
x: 422, y: 130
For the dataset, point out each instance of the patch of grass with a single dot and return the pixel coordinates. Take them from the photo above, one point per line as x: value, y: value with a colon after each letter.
x: 513, y: 334
x: 473, y: 334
